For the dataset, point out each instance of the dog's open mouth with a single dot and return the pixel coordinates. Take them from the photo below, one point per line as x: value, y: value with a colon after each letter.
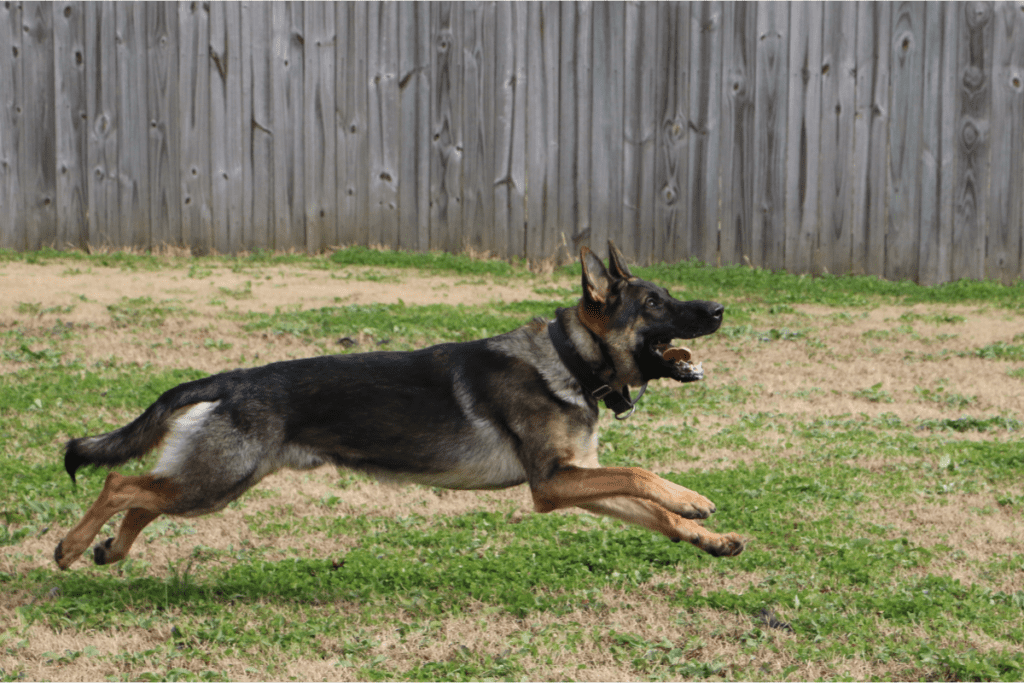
x: 679, y: 362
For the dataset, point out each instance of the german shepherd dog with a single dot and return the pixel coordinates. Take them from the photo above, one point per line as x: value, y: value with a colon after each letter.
x: 487, y: 414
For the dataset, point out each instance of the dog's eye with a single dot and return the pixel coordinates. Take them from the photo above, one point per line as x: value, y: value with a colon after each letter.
x: 653, y: 302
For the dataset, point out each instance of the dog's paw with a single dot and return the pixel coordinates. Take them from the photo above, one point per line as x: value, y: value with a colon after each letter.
x: 58, y: 555
x: 101, y: 552
x: 694, y: 506
x: 727, y: 545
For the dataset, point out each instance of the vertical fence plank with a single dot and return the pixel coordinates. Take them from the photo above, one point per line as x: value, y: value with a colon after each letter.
x: 133, y: 137
x: 286, y: 84
x: 974, y: 69
x: 414, y: 87
x: 606, y: 155
x: 351, y: 92
x: 258, y: 137
x: 768, y: 227
x: 835, y: 179
x: 193, y: 122
x: 907, y: 63
x: 319, y: 129
x: 10, y: 194
x: 477, y: 117
x: 877, y: 186
x: 649, y: 114
x: 162, y: 105
x: 803, y: 118
x: 1006, y: 219
x: 949, y: 147
x: 583, y: 77
x: 36, y: 153
x: 705, y: 137
x: 446, y: 163
x: 510, y: 133
x: 542, y: 123
x: 738, y: 48
x: 671, y: 210
x: 225, y: 133
x: 632, y: 137
x: 869, y: 47
x: 931, y: 144
x: 568, y: 120
x: 71, y: 123
x: 383, y: 121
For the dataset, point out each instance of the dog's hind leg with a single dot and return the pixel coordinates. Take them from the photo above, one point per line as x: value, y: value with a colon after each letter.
x: 116, y: 548
x: 147, y: 496
x: 656, y: 518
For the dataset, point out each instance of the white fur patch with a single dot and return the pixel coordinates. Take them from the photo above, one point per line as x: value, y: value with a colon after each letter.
x: 185, y: 425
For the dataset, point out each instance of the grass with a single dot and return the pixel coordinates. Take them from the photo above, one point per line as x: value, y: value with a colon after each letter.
x: 882, y: 510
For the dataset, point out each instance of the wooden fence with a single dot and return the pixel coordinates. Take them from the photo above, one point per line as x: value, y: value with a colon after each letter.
x: 863, y: 137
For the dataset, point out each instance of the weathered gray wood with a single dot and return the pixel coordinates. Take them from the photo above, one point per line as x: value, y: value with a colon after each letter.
x: 877, y: 193
x: 133, y: 136
x: 671, y: 209
x: 10, y: 195
x: 258, y: 137
x: 382, y: 60
x: 867, y: 50
x: 704, y: 134
x: 225, y: 133
x: 350, y: 94
x: 1006, y: 217
x: 772, y: 62
x: 632, y: 138
x: 477, y: 196
x: 193, y: 123
x: 542, y: 122
x: 320, y: 129
x: 446, y: 109
x: 286, y: 84
x: 949, y: 146
x: 568, y: 121
x: 835, y: 179
x: 36, y: 154
x: 649, y: 116
x: 907, y: 64
x: 71, y: 124
x: 583, y: 77
x: 736, y: 152
x: 803, y: 119
x: 931, y: 141
x: 414, y: 40
x: 974, y: 95
x: 162, y: 103
x: 606, y: 155
x: 510, y: 133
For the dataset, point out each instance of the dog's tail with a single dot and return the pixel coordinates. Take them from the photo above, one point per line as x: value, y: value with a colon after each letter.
x: 143, y: 434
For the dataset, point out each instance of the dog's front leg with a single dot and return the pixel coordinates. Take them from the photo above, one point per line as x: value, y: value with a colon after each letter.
x: 656, y: 518
x: 572, y: 486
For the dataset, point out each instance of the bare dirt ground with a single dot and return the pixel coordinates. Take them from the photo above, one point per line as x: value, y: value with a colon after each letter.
x: 862, y: 361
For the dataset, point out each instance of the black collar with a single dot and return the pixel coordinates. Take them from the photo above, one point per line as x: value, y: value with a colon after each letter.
x: 586, y: 377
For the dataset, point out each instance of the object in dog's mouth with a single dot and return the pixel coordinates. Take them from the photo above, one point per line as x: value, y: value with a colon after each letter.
x: 680, y: 355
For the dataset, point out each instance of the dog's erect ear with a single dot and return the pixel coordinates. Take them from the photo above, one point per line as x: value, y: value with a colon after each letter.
x: 596, y: 281
x: 617, y: 263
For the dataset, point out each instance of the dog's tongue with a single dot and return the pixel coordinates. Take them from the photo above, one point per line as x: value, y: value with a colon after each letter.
x: 676, y: 354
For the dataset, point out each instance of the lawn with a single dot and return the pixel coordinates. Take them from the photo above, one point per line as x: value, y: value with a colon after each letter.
x: 864, y: 436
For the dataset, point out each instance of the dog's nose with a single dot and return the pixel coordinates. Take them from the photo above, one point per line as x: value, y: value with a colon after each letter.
x: 716, y: 310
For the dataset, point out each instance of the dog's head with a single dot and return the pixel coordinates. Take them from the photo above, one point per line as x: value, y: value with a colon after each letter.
x: 637, y: 320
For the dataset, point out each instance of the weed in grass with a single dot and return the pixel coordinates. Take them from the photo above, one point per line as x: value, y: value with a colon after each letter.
x: 940, y: 396
x: 243, y: 292
x: 143, y: 312
x: 998, y: 351
x: 875, y: 393
x: 28, y: 308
